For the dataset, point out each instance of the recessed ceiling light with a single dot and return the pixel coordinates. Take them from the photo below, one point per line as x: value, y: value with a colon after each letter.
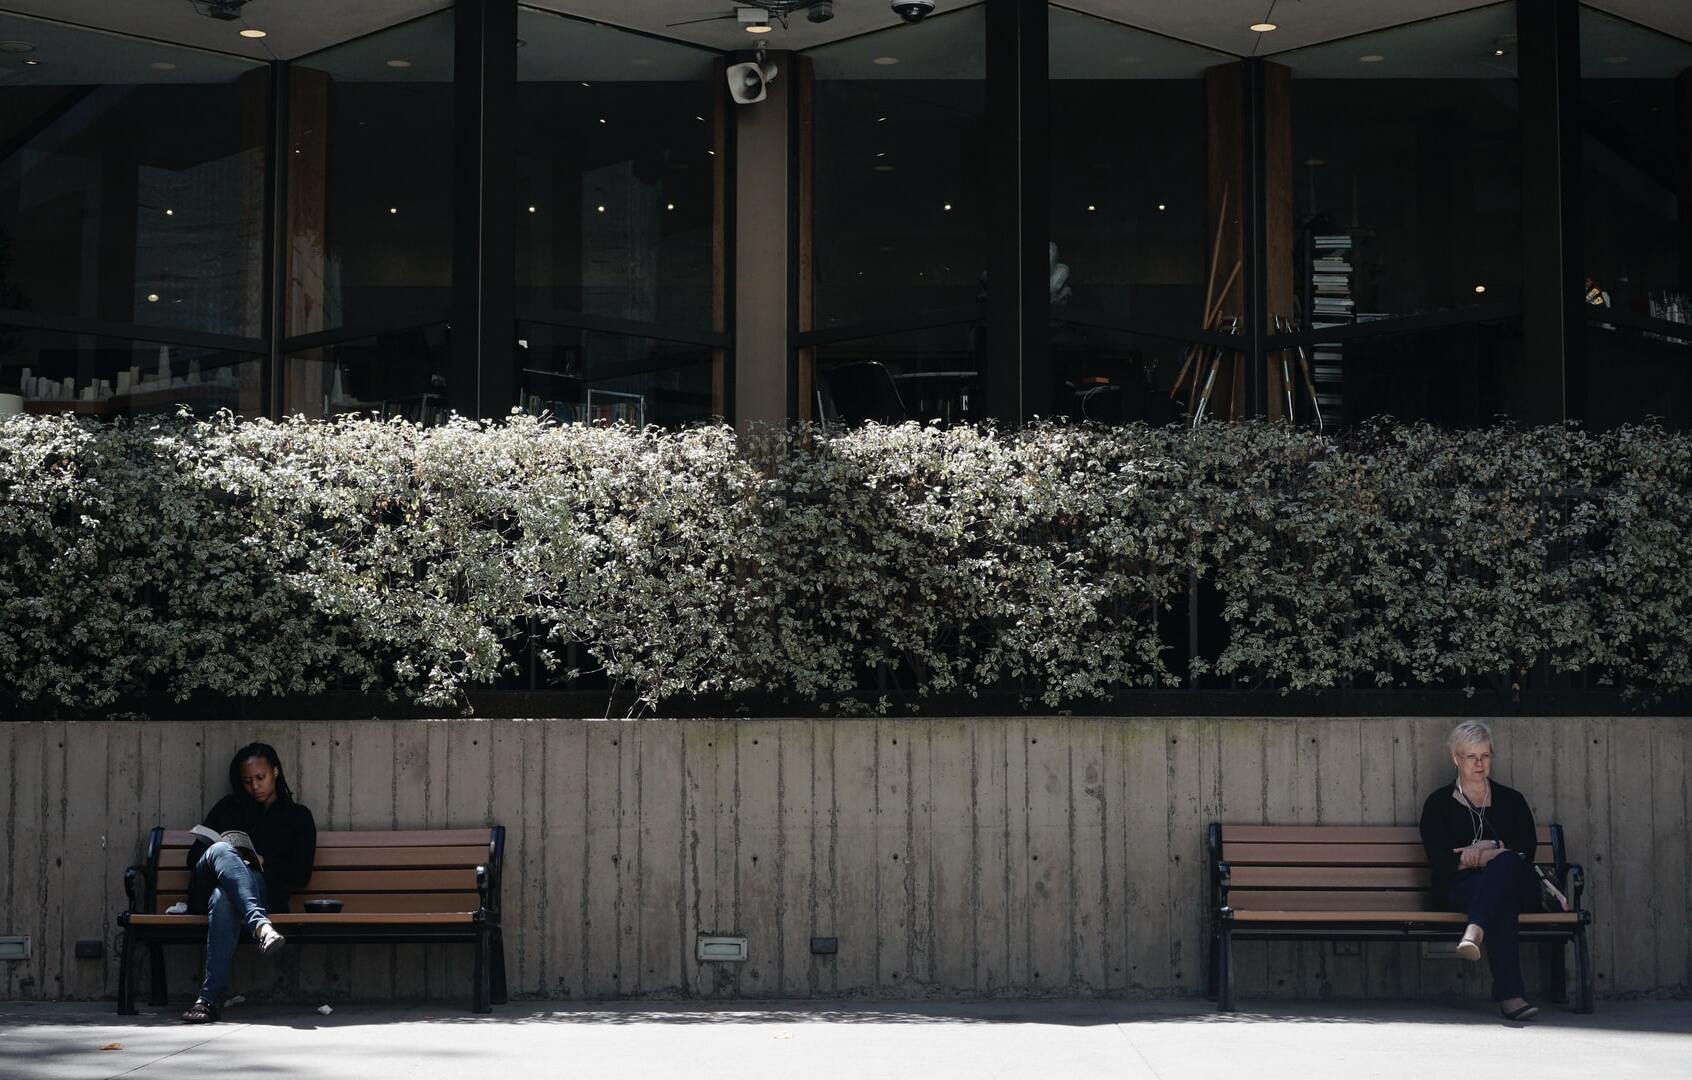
x: 587, y: 84
x: 162, y: 65
x: 1163, y: 206
x: 32, y: 62
x: 885, y: 61
x: 1498, y: 52
x: 393, y: 209
x: 881, y: 119
x: 881, y: 154
x: 948, y: 206
x: 152, y: 298
x: 602, y: 119
x: 759, y: 28
x: 701, y: 119
x: 399, y: 63
x: 1371, y: 58
x: 713, y: 153
x: 170, y: 213
x: 531, y: 209
x: 884, y: 168
x: 250, y: 32
x: 669, y: 206
x: 601, y: 209
x: 1091, y: 208
x: 17, y: 46
x: 1480, y: 288
x: 1264, y: 27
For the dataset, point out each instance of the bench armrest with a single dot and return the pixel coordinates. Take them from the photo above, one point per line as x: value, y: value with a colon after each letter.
x: 484, y: 888
x: 135, y: 888
x: 1224, y: 877
x: 1576, y: 885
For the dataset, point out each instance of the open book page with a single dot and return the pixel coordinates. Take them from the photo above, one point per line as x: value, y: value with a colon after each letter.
x: 235, y: 838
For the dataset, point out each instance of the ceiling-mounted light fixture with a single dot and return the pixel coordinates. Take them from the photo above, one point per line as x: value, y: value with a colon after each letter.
x: 753, y: 20
x: 1264, y: 27
x: 252, y: 32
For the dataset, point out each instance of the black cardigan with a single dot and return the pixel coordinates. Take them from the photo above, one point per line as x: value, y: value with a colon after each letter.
x: 284, y: 833
x: 1447, y: 824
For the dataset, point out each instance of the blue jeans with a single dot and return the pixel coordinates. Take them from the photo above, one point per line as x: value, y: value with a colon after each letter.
x: 1494, y: 898
x: 237, y: 901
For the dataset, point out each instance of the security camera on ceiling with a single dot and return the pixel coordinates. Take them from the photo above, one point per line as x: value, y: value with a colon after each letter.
x: 913, y: 11
x: 750, y: 82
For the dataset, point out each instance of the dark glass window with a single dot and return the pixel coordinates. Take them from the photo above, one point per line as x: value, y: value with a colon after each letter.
x: 1131, y: 216
x: 370, y: 180
x: 927, y: 374
x: 899, y: 176
x: 584, y: 376
x: 131, y: 181
x: 91, y: 375
x: 398, y: 372
x: 1636, y: 135
x: 1408, y: 142
x: 618, y: 158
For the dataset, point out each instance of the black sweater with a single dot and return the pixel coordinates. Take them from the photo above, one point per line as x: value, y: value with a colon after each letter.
x: 284, y: 833
x: 1448, y: 824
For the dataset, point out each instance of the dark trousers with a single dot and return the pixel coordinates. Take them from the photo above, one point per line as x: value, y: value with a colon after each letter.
x: 1494, y: 898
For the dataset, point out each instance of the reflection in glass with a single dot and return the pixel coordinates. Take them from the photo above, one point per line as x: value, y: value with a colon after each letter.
x: 370, y: 179
x: 616, y: 166
x: 929, y: 374
x: 1454, y: 376
x: 1636, y: 90
x: 1115, y: 377
x: 400, y: 373
x: 1128, y: 200
x: 1406, y: 147
x: 582, y: 376
x: 107, y: 377
x: 110, y: 207
x: 900, y: 175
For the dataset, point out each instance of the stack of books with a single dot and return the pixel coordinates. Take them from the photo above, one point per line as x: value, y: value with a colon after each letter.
x: 1331, y: 304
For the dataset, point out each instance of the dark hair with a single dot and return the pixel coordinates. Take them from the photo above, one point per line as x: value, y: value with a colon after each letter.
x: 268, y: 753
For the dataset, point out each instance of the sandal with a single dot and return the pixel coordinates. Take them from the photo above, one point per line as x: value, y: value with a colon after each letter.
x: 1523, y: 1013
x: 201, y: 1012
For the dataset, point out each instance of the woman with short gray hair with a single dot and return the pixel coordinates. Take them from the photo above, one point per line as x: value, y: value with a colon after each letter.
x: 1480, y: 839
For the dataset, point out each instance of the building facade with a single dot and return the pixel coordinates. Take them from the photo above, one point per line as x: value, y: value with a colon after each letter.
x: 1101, y: 209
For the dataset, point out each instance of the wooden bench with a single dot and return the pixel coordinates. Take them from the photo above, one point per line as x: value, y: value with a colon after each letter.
x: 421, y: 887
x: 1362, y: 883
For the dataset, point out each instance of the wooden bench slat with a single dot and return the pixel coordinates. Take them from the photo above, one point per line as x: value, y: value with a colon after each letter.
x: 370, y: 839
x: 413, y: 858
x: 370, y: 902
x: 1334, y: 854
x: 1455, y: 918
x: 333, y: 881
x: 1331, y: 877
x: 439, y: 918
x: 1326, y: 900
x: 1333, y: 834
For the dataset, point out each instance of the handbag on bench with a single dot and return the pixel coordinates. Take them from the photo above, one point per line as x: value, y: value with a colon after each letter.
x: 1551, y: 898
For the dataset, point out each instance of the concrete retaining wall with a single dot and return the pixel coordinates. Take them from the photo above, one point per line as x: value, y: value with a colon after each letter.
x: 1001, y: 857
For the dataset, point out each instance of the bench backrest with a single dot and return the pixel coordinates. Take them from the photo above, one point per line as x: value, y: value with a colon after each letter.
x: 1335, y: 867
x: 369, y: 872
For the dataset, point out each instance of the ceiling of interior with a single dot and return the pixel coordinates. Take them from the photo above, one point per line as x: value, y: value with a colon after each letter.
x: 298, y: 27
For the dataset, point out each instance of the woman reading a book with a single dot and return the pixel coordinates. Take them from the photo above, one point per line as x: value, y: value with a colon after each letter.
x: 266, y: 845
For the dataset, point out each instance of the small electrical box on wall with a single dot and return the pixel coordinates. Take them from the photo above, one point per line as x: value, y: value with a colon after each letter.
x: 726, y: 949
x: 14, y: 948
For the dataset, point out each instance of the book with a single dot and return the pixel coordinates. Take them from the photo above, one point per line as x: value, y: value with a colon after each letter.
x: 235, y: 838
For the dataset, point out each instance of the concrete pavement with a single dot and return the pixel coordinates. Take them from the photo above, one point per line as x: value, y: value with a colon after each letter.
x: 1050, y: 1040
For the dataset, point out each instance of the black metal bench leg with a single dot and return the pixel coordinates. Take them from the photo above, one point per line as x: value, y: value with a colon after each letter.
x: 156, y: 974
x: 126, y: 975
x: 1225, y: 971
x: 1556, y: 973
x: 1210, y: 990
x: 480, y: 1003
x: 498, y: 960
x: 1583, y: 972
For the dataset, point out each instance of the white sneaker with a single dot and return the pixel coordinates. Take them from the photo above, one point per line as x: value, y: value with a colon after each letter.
x: 269, y: 938
x: 1468, y: 950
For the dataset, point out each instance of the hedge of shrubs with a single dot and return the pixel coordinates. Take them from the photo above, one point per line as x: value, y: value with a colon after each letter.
x: 256, y: 558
